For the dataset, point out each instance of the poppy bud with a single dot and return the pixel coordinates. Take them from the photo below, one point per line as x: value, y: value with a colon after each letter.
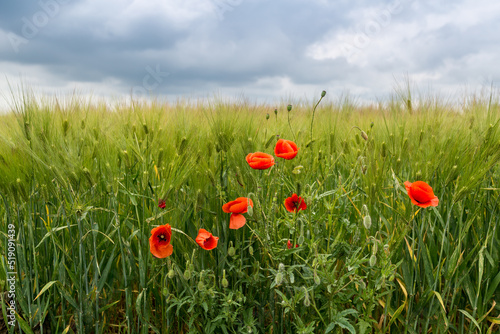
x: 301, y: 240
x: 231, y: 251
x: 201, y: 286
x: 317, y: 280
x: 171, y: 273
x: 267, y: 116
x: 307, y: 302
x: 323, y: 93
x: 364, y: 210
x: 373, y: 260
x: 250, y: 250
x: 225, y: 283
x: 187, y: 274
x: 367, y: 222
x: 250, y: 210
x: 279, y: 278
x: 364, y: 135
x: 276, y: 112
x: 289, y: 108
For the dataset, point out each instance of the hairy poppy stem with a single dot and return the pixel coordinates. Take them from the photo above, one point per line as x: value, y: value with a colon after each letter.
x: 323, y: 93
x: 289, y: 108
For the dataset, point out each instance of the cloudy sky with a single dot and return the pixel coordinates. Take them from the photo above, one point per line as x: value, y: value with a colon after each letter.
x: 264, y: 50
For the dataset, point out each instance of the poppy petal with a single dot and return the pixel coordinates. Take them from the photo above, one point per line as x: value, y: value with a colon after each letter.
x: 206, y: 240
x: 162, y: 252
x: 421, y: 194
x: 236, y: 221
x: 210, y: 243
x: 289, y: 204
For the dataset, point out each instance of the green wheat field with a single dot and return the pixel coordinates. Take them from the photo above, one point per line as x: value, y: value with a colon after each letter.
x: 81, y: 184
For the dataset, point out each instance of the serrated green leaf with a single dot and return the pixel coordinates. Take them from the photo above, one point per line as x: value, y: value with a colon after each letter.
x: 345, y: 324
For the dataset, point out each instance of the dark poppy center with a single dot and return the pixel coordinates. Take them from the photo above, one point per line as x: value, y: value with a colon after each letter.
x: 161, y: 237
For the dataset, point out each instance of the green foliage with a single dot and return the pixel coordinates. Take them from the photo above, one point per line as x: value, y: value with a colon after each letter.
x: 81, y: 183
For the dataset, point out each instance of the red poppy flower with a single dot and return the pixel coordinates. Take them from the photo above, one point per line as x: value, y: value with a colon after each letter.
x: 206, y: 240
x: 259, y: 160
x: 236, y: 208
x: 421, y: 194
x: 285, y: 149
x: 289, y: 244
x: 161, y: 204
x: 159, y: 241
x: 295, y: 203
